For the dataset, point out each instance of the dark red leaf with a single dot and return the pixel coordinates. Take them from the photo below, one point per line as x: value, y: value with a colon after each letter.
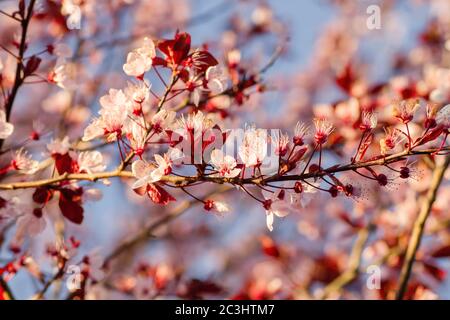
x: 326, y: 269
x: 203, y: 60
x: 42, y: 195
x: 176, y: 50
x: 32, y: 65
x: 298, y: 155
x: 184, y: 75
x: 70, y: 205
x: 346, y: 78
x: 159, y: 195
x: 345, y: 218
x: 158, y: 61
x: 434, y: 271
x: 64, y: 163
x: 195, y: 289
x: 269, y: 247
x: 432, y: 135
x: 442, y: 252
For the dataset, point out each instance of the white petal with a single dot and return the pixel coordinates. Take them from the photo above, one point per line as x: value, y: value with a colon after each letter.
x: 92, y: 131
x: 6, y: 129
x: 269, y: 220
x: 156, y: 175
x: 216, y: 158
x: 229, y: 161
x: 140, y: 168
x: 196, y: 97
x: 160, y: 160
x: 233, y: 173
x: 141, y: 182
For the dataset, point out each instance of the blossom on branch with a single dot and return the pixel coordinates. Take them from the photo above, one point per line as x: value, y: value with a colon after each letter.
x: 140, y: 60
x: 224, y: 164
x: 6, y: 128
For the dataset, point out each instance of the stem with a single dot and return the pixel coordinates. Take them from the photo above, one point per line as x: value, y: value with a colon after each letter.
x: 419, y: 226
x: 18, y: 81
x: 6, y: 288
x: 359, y: 146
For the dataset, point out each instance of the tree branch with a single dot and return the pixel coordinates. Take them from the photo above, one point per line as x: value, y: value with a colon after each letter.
x: 18, y: 80
x: 353, y: 265
x: 6, y: 288
x: 186, y: 180
x: 419, y: 226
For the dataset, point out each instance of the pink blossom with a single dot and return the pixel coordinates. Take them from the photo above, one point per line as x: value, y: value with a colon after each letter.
x: 368, y: 121
x: 148, y: 173
x: 281, y: 144
x: 91, y: 162
x: 323, y: 130
x: 253, y: 148
x: 443, y: 116
x: 137, y: 136
x: 392, y: 138
x: 300, y: 132
x: 404, y: 110
x: 113, y: 116
x: 275, y: 205
x: 217, y: 206
x: 59, y: 146
x: 140, y: 60
x: 225, y: 165
x: 137, y: 95
x: 23, y: 162
x: 216, y: 79
x: 163, y: 120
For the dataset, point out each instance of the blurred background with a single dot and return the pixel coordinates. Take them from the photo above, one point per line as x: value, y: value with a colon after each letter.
x: 233, y: 255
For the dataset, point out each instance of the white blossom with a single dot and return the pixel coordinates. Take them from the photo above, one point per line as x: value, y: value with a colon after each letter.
x: 91, y: 162
x: 224, y: 164
x: 140, y: 60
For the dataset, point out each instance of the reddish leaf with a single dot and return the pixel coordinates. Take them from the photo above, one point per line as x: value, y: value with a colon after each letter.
x: 435, y: 271
x: 345, y: 218
x: 159, y: 195
x: 269, y: 247
x: 195, y: 289
x: 32, y: 65
x: 70, y: 205
x: 176, y: 50
x: 157, y: 61
x: 376, y: 88
x: 203, y: 60
x: 184, y: 75
x: 64, y: 163
x: 326, y: 269
x: 298, y: 155
x: 346, y: 78
x: 141, y: 190
x: 42, y: 195
x: 442, y: 252
x: 432, y: 135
